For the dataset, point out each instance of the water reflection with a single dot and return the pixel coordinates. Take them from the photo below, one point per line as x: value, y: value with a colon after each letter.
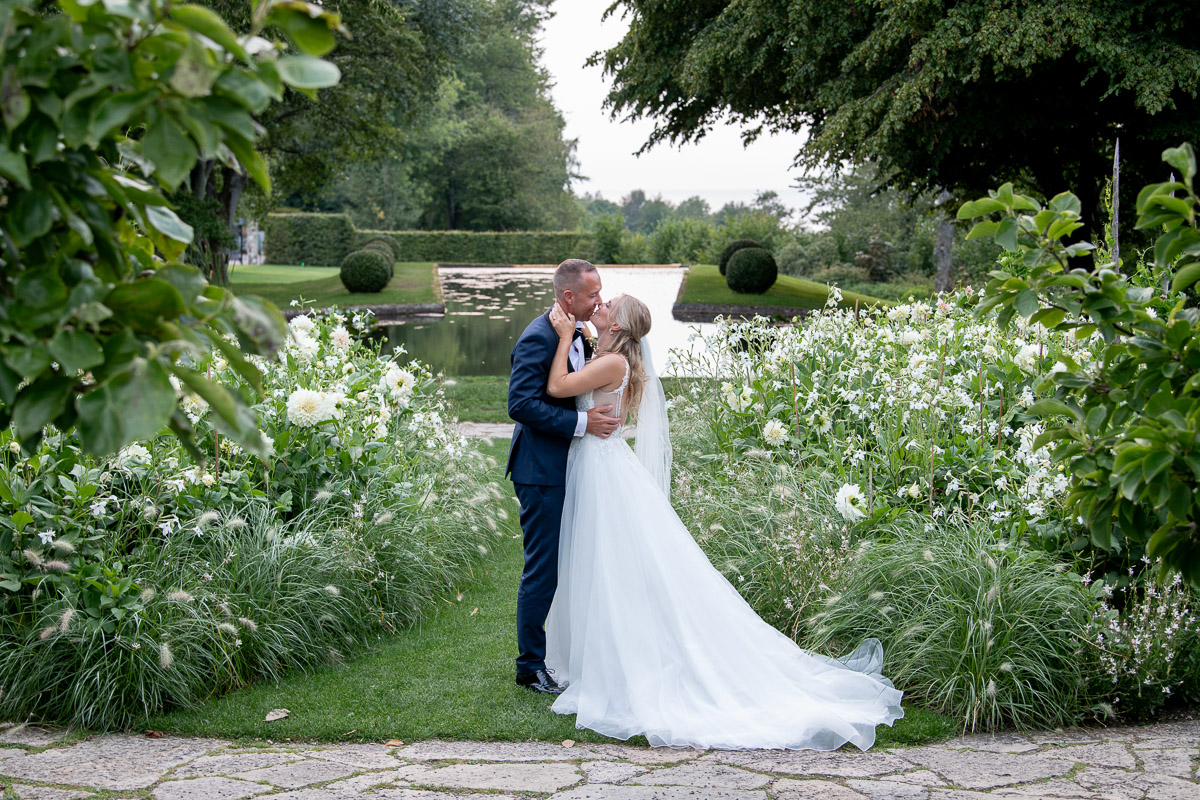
x: 487, y: 308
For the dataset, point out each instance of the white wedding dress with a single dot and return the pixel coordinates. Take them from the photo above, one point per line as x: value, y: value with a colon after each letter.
x: 651, y: 639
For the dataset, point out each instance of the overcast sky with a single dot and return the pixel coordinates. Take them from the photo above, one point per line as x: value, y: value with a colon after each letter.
x: 718, y: 168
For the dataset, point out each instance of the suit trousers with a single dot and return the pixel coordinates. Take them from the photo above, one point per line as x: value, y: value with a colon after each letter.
x: 541, y: 520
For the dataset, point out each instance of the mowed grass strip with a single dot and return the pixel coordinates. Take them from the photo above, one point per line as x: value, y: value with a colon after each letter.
x: 320, y: 287
x: 448, y: 678
x: 704, y: 283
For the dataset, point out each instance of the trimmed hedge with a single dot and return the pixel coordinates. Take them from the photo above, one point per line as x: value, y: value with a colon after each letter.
x: 326, y: 239
x: 473, y: 247
x: 751, y: 270
x: 312, y: 240
x: 730, y: 249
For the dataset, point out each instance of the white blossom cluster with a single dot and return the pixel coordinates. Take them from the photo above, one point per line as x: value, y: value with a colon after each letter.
x: 895, y: 391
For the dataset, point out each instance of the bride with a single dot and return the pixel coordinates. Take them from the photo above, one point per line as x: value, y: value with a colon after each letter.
x: 649, y: 637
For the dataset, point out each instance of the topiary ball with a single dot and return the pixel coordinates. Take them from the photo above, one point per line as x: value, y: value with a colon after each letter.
x: 731, y: 248
x: 752, y: 270
x: 365, y: 271
x: 380, y: 246
x: 389, y: 243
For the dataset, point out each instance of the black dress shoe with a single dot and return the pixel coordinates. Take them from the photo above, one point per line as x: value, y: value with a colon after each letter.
x: 540, y: 681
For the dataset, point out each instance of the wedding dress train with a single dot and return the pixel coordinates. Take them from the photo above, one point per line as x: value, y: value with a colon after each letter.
x: 651, y: 639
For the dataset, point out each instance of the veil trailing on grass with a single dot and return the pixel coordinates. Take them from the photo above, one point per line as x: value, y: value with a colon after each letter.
x: 653, y: 433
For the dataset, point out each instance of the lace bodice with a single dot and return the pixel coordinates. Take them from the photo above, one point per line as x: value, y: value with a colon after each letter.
x: 615, y: 398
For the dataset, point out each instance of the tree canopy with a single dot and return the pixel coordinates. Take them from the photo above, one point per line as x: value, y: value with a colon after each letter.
x: 962, y: 95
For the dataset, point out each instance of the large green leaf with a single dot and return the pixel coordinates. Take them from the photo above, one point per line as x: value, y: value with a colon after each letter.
x: 207, y: 22
x: 233, y: 417
x: 100, y: 424
x: 170, y: 150
x: 306, y: 72
x: 1186, y: 276
x: 144, y: 302
x: 39, y: 404
x: 116, y: 111
x: 76, y: 350
x: 13, y: 167
x: 260, y: 321
x: 146, y: 399
x: 30, y: 215
x: 168, y: 223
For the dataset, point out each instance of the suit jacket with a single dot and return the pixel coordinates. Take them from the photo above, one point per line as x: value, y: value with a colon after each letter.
x: 545, y: 425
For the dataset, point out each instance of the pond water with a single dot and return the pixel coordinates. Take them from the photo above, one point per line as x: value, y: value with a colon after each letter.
x: 487, y: 308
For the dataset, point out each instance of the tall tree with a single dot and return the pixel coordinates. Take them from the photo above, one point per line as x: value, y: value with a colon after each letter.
x: 961, y: 94
x: 390, y: 63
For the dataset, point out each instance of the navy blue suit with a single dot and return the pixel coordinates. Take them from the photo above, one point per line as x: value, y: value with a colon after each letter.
x: 537, y: 463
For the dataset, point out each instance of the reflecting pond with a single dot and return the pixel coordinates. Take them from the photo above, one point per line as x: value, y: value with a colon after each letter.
x: 487, y: 308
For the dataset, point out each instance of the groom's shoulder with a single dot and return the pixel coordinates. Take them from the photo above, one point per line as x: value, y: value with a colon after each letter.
x: 539, y: 328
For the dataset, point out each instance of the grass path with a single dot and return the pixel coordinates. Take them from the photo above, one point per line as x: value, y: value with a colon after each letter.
x: 320, y: 287
x: 705, y: 284
x: 449, y: 678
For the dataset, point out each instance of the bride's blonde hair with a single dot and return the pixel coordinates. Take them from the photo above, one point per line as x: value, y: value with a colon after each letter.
x: 632, y: 319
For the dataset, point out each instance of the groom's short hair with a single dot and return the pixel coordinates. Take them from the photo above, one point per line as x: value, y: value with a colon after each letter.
x: 569, y: 275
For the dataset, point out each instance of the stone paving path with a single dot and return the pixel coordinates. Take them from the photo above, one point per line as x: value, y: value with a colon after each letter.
x: 1156, y: 762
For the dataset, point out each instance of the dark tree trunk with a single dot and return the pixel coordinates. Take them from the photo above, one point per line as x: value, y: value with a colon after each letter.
x: 943, y: 248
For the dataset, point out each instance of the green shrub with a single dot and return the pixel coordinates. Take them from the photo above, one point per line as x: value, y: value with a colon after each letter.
x: 393, y: 247
x: 311, y: 240
x: 751, y: 270
x: 680, y: 241
x: 972, y: 625
x: 485, y: 247
x: 381, y: 247
x: 730, y: 249
x: 365, y: 272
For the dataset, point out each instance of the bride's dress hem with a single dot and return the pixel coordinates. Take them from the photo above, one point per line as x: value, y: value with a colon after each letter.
x: 653, y: 641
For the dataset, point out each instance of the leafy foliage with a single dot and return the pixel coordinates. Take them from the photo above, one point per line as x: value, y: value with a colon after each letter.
x: 751, y: 270
x: 1129, y: 427
x: 942, y: 94
x: 730, y: 249
x: 132, y: 584
x: 365, y: 271
x: 105, y: 106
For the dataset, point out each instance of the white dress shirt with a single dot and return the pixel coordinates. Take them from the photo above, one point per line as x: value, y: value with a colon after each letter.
x: 577, y: 362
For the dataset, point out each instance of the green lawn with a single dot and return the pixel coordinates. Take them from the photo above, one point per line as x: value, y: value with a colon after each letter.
x: 705, y: 284
x: 449, y: 678
x: 478, y: 398
x: 413, y: 283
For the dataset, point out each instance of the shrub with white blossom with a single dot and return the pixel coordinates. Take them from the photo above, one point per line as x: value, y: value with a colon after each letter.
x: 150, y: 579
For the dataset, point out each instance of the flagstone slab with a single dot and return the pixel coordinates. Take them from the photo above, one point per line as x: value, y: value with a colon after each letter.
x: 977, y: 770
x: 610, y: 771
x: 838, y: 764
x: 645, y: 755
x: 31, y: 735
x: 515, y: 777
x: 27, y: 792
x: 11, y: 752
x: 299, y: 773
x: 116, y: 762
x: 888, y: 790
x: 1109, y: 754
x: 815, y: 789
x: 211, y: 766
x: 989, y: 743
x: 703, y: 775
x: 490, y: 751
x: 365, y: 756
x: 1053, y: 790
x: 1180, y: 762
x: 1166, y: 787
x: 208, y: 789
x: 410, y: 773
x: 608, y: 791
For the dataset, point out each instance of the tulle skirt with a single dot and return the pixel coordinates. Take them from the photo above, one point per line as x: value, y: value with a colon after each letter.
x: 653, y: 640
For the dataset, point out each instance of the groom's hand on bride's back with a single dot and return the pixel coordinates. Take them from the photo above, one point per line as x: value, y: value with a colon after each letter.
x: 599, y: 423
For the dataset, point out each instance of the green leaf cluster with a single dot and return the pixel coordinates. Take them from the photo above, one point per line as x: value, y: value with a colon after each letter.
x: 104, y: 107
x: 1128, y: 426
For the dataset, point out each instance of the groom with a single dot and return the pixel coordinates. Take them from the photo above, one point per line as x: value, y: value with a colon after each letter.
x: 537, y: 458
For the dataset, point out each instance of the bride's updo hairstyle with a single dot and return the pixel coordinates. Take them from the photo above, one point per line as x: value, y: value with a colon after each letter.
x: 632, y: 318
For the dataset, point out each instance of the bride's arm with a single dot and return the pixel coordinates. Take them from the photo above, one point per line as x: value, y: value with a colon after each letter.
x: 599, y: 372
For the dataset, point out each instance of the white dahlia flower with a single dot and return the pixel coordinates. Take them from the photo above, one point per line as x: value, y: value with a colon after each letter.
x: 850, y: 502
